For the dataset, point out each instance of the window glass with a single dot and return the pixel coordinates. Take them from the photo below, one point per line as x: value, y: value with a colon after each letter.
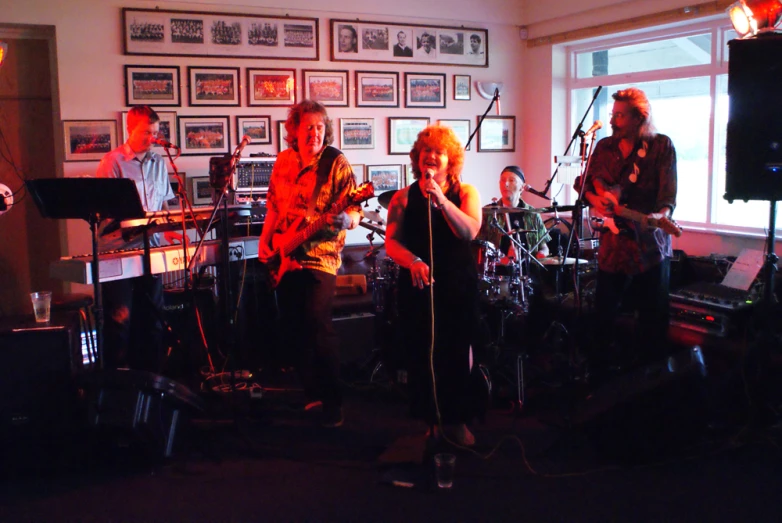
x: 646, y: 56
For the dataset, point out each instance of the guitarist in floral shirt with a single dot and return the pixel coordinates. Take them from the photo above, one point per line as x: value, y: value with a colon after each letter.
x: 308, y: 180
x: 634, y: 170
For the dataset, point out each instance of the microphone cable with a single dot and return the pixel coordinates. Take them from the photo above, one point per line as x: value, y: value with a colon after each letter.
x: 432, y: 316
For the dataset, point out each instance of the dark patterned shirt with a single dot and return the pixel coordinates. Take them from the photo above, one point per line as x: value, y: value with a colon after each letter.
x: 530, y: 221
x: 647, y: 179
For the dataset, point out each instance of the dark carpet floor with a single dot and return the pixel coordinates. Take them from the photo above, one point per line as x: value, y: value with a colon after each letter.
x: 642, y: 446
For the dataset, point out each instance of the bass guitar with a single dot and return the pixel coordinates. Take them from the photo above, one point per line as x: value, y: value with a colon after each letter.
x: 302, y: 230
x: 613, y: 194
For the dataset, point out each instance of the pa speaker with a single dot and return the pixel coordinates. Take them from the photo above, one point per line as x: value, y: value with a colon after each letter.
x: 754, y: 142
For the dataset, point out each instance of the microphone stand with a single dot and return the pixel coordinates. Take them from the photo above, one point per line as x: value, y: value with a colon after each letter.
x: 495, y: 98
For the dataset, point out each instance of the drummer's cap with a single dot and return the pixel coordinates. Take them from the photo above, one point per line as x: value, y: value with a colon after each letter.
x: 515, y: 169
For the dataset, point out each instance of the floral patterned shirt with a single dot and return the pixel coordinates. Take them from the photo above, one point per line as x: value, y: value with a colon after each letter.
x: 647, y: 179
x: 290, y: 191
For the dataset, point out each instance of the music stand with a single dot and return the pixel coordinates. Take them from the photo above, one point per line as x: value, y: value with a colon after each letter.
x: 93, y: 200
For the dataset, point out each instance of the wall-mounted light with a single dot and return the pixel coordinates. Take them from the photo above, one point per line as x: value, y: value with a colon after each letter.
x: 752, y: 17
x: 488, y: 89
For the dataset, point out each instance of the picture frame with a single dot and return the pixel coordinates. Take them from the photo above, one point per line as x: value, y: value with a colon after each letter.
x: 385, y: 177
x: 357, y: 133
x: 173, y: 203
x: 402, y: 133
x: 460, y: 127
x: 258, y: 128
x: 497, y: 134
x: 154, y: 85
x: 462, y: 87
x: 425, y: 90
x: 201, y: 191
x: 377, y: 89
x: 271, y: 87
x: 359, y: 171
x: 376, y: 41
x: 213, y: 86
x: 281, y: 143
x: 165, y: 32
x: 204, y: 135
x: 88, y: 140
x: 167, y: 127
x: 409, y: 174
x: 330, y: 88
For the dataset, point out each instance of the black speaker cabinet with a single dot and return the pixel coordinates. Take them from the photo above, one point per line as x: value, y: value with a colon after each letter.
x: 754, y: 142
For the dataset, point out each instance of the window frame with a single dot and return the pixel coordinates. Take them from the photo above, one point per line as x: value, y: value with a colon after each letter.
x: 719, y: 28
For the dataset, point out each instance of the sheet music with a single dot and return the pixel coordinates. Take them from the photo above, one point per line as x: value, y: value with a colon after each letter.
x: 744, y: 270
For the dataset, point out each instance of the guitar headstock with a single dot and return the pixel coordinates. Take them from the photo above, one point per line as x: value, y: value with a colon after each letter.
x: 669, y: 226
x: 363, y: 192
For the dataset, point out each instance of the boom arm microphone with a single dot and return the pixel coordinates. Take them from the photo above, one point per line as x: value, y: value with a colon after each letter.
x: 595, y: 127
x: 244, y: 143
x: 164, y: 143
x: 542, y: 194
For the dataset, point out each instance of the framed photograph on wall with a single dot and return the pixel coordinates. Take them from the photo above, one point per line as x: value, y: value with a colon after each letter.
x: 200, y: 190
x: 167, y: 127
x: 462, y: 87
x: 281, y: 143
x: 272, y: 87
x: 497, y: 134
x: 213, y: 86
x: 409, y: 174
x: 193, y: 33
x: 425, y: 90
x: 377, y: 89
x: 327, y: 87
x: 258, y: 128
x: 154, y: 85
x: 204, y: 135
x: 385, y: 177
x: 402, y: 133
x: 88, y: 140
x: 357, y: 133
x: 173, y: 203
x: 358, y: 172
x: 372, y: 41
x: 460, y: 127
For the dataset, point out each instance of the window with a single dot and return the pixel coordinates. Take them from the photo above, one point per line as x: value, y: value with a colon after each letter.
x: 684, y: 72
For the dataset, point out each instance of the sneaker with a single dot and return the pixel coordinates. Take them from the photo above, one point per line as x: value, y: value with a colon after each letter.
x: 332, y: 417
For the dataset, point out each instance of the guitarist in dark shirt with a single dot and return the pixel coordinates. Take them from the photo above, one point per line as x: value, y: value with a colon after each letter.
x: 636, y: 168
x: 307, y: 180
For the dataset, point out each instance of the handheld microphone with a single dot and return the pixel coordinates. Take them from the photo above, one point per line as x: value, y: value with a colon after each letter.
x: 164, y: 143
x: 428, y: 174
x: 244, y: 143
x: 542, y: 194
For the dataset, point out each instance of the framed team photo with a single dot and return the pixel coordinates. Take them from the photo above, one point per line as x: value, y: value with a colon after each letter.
x: 87, y: 140
x: 153, y: 85
x: 204, y: 135
x: 213, y: 86
x: 425, y: 90
x: 327, y: 87
x: 385, y: 177
x: 377, y: 89
x: 357, y: 133
x: 271, y: 87
x: 167, y: 127
x: 258, y: 128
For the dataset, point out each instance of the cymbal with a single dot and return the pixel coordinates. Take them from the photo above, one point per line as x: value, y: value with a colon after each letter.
x: 385, y: 198
x: 489, y: 209
x: 558, y: 260
x: 373, y: 216
x: 373, y: 227
x: 557, y: 208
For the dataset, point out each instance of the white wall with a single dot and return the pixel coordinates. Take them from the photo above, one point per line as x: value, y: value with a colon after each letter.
x: 90, y: 63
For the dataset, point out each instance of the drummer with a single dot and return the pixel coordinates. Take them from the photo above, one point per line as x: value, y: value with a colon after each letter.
x: 511, y: 188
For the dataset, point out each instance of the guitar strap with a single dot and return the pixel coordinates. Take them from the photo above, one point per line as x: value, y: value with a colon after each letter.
x: 327, y: 159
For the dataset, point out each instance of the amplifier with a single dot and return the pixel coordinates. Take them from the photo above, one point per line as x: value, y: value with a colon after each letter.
x: 701, y: 319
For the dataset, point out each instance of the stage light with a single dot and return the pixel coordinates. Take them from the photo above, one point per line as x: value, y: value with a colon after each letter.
x: 753, y: 17
x: 3, y: 52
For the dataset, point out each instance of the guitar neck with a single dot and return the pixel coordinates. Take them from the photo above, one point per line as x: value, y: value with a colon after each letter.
x: 629, y: 214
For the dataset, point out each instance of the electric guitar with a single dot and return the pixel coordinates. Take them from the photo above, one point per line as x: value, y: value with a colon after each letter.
x: 614, y: 193
x: 302, y: 230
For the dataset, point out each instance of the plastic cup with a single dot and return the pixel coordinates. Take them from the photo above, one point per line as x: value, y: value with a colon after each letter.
x: 443, y: 466
x: 42, y: 306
